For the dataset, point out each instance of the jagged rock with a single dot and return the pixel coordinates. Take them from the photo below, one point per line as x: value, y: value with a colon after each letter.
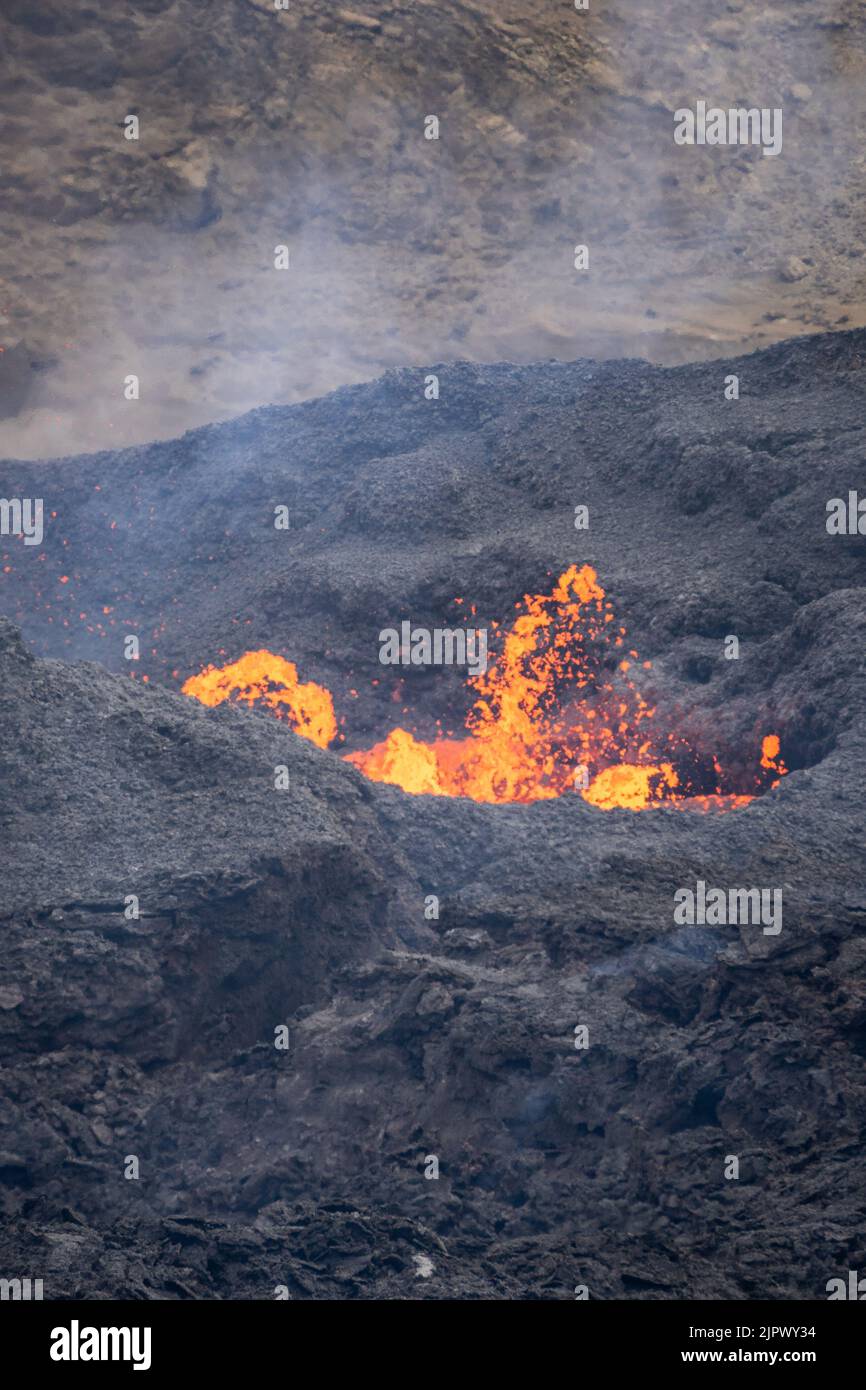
x: 305, y: 1166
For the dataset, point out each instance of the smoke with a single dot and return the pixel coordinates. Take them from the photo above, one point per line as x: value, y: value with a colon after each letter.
x: 405, y: 251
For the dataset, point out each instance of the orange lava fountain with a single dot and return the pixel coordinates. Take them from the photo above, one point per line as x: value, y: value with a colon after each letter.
x: 556, y: 712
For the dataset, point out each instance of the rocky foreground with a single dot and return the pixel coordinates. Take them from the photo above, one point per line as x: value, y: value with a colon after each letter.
x: 309, y: 1168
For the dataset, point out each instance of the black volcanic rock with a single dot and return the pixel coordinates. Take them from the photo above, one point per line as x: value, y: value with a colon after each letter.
x: 410, y: 1038
x: 149, y: 798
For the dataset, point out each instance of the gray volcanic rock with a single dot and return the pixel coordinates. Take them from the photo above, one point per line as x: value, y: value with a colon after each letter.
x: 454, y: 1038
x: 138, y: 821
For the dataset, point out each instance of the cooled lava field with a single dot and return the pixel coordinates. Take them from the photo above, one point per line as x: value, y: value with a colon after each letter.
x: 359, y: 1041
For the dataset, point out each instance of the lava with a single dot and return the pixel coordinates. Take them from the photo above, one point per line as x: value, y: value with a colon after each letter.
x: 770, y: 760
x: 630, y: 787
x: 555, y: 711
x: 261, y: 676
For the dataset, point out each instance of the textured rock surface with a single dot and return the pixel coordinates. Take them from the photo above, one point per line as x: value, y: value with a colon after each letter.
x: 453, y: 1038
x: 306, y: 128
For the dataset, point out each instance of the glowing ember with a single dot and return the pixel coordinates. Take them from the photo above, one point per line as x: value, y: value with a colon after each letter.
x: 556, y: 712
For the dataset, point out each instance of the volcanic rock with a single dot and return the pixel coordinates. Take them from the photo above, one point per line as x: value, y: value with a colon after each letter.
x: 455, y: 1038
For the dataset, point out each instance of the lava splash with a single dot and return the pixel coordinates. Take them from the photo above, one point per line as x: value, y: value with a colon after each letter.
x: 557, y: 710
x: 273, y: 681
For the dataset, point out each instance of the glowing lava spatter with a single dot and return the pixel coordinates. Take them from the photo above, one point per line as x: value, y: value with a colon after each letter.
x: 555, y: 711
x: 770, y: 760
x: 271, y: 679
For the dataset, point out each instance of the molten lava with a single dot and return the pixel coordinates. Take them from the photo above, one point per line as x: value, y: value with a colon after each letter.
x: 272, y: 680
x: 630, y: 787
x: 770, y: 748
x: 555, y: 711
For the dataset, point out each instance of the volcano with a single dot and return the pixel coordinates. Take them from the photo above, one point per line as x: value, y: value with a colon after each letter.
x: 524, y: 743
x: 439, y: 1029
